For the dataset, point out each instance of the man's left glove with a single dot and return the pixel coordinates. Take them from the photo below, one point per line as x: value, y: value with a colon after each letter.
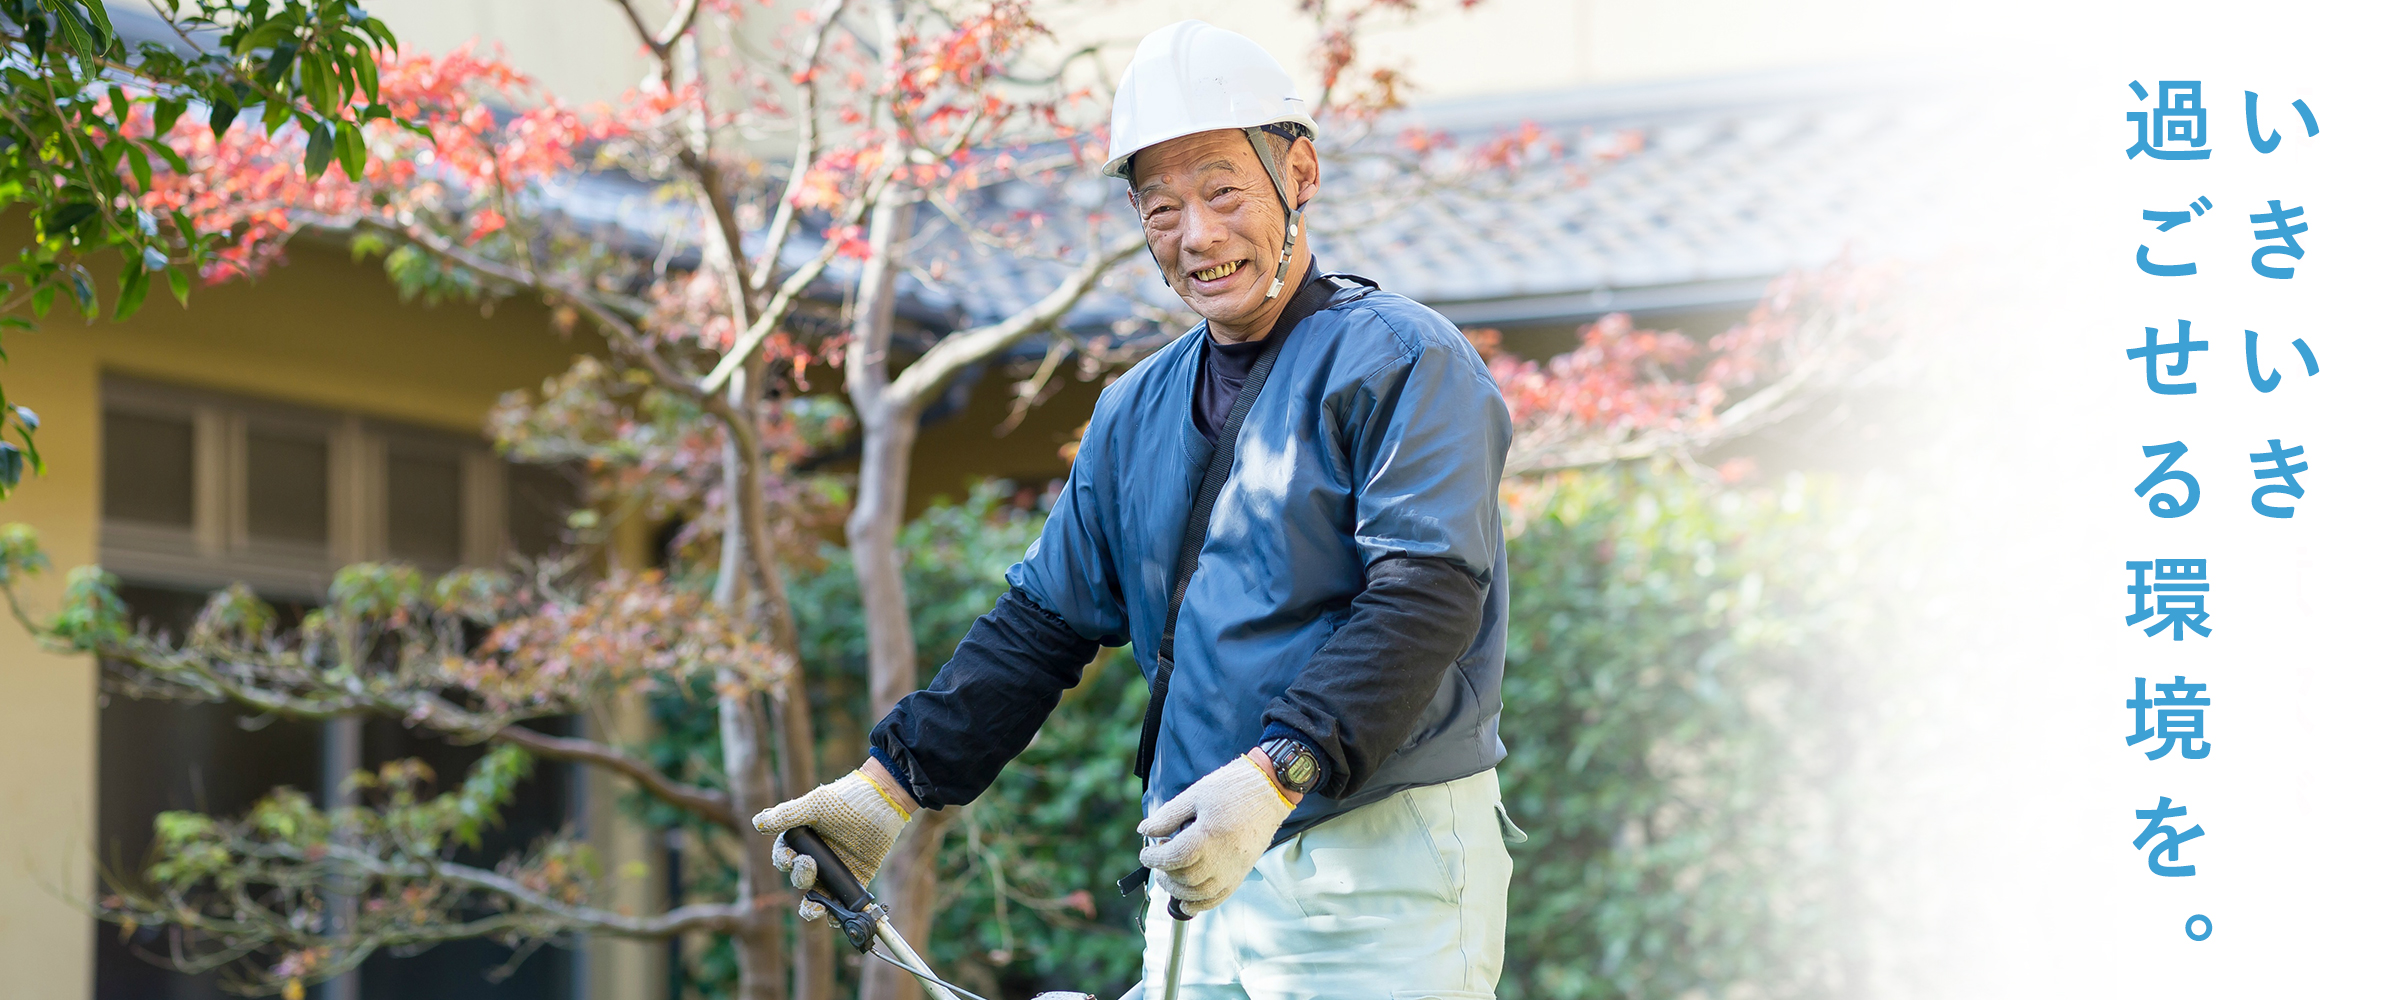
x: 1232, y: 815
x: 857, y: 818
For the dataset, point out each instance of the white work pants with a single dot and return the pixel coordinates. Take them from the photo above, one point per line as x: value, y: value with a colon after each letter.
x: 1406, y: 898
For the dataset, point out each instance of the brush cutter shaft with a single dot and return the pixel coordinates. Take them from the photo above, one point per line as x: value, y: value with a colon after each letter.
x: 915, y: 966
x: 1174, y: 958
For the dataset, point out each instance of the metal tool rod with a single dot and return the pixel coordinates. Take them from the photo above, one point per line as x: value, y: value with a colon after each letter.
x: 1174, y: 958
x: 916, y: 966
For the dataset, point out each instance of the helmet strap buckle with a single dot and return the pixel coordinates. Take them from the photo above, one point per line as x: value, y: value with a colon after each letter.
x: 1291, y: 219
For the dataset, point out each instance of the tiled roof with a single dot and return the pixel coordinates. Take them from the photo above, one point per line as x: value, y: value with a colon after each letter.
x: 1730, y: 182
x: 1663, y: 196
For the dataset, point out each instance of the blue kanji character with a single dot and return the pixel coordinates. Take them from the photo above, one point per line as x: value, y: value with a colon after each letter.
x: 2140, y: 591
x: 2268, y: 382
x: 2167, y: 221
x: 2178, y: 118
x: 2172, y: 846
x: 2181, y: 586
x: 2164, y: 504
x: 2279, y: 218
x: 2273, y: 138
x: 2180, y: 719
x: 2284, y: 469
x: 2182, y: 348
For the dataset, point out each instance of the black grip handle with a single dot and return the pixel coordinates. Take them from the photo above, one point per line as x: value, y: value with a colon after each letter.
x: 833, y: 877
x: 1175, y: 909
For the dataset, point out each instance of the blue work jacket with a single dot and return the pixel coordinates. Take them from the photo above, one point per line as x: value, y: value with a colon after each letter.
x: 1378, y: 433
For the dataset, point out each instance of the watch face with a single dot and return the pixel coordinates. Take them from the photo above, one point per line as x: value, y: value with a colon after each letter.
x: 1302, y: 771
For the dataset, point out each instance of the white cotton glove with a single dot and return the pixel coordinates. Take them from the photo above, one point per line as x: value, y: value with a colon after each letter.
x: 1232, y: 815
x: 854, y: 815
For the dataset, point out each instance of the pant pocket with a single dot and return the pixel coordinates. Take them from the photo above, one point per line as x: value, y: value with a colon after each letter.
x: 1510, y: 833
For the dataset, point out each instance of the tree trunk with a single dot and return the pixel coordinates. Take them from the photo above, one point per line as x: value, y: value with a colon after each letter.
x: 759, y: 944
x: 889, y: 429
x: 874, y: 531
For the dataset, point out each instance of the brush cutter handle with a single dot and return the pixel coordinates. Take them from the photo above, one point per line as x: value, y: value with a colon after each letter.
x: 833, y: 877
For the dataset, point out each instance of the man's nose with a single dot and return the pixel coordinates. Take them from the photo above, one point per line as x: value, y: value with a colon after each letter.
x: 1202, y: 229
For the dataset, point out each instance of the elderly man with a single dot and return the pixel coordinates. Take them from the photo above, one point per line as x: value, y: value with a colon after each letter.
x: 1291, y: 514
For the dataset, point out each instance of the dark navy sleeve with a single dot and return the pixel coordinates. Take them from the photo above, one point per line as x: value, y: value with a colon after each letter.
x: 1428, y: 434
x: 1359, y: 697
x: 948, y: 742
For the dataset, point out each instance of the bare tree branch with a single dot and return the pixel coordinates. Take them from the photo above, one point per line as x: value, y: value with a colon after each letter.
x: 620, y: 332
x: 924, y: 379
x: 804, y: 149
x: 678, y: 22
x: 707, y: 804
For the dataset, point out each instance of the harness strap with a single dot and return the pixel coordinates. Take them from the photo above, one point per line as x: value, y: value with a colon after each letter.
x: 1313, y: 296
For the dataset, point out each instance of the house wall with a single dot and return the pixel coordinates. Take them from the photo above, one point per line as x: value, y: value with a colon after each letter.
x: 322, y: 331
x: 49, y: 716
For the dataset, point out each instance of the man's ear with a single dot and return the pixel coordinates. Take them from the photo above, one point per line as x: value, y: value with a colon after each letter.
x: 1304, y: 170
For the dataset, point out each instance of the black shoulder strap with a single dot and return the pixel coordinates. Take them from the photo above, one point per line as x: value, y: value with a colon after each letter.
x: 1313, y: 296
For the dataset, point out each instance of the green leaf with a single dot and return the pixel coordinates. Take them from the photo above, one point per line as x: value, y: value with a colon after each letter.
x: 280, y: 64
x: 165, y: 152
x: 352, y: 149
x: 181, y: 285
x: 320, y: 147
x: 20, y: 552
x: 32, y: 453
x: 12, y: 467
x: 370, y: 81
x: 132, y: 287
x: 86, y: 300
x: 138, y: 160
x: 164, y: 117
x: 222, y: 114
x: 62, y: 218
x: 77, y: 30
x: 118, y: 105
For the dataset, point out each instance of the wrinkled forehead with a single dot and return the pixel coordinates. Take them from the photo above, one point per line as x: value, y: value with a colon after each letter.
x: 1186, y: 159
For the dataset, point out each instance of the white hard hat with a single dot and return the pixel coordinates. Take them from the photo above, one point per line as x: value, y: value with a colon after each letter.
x: 1191, y: 77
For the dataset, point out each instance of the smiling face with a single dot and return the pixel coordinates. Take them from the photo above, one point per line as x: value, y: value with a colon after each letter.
x: 1215, y: 226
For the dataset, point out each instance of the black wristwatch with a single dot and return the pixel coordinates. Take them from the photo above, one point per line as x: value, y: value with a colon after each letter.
x: 1295, y: 764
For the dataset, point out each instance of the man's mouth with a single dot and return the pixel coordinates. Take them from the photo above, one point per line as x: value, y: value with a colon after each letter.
x: 1219, y: 271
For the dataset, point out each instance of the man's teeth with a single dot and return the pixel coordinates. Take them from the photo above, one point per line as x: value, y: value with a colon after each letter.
x: 1219, y: 271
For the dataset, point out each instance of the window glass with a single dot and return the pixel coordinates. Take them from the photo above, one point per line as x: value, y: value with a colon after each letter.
x: 422, y: 504
x: 147, y: 469
x: 286, y: 482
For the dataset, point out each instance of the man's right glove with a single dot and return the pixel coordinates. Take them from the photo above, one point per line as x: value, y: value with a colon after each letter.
x: 1217, y: 830
x: 855, y: 817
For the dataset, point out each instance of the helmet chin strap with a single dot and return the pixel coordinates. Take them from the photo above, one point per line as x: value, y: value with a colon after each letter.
x: 1291, y: 219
